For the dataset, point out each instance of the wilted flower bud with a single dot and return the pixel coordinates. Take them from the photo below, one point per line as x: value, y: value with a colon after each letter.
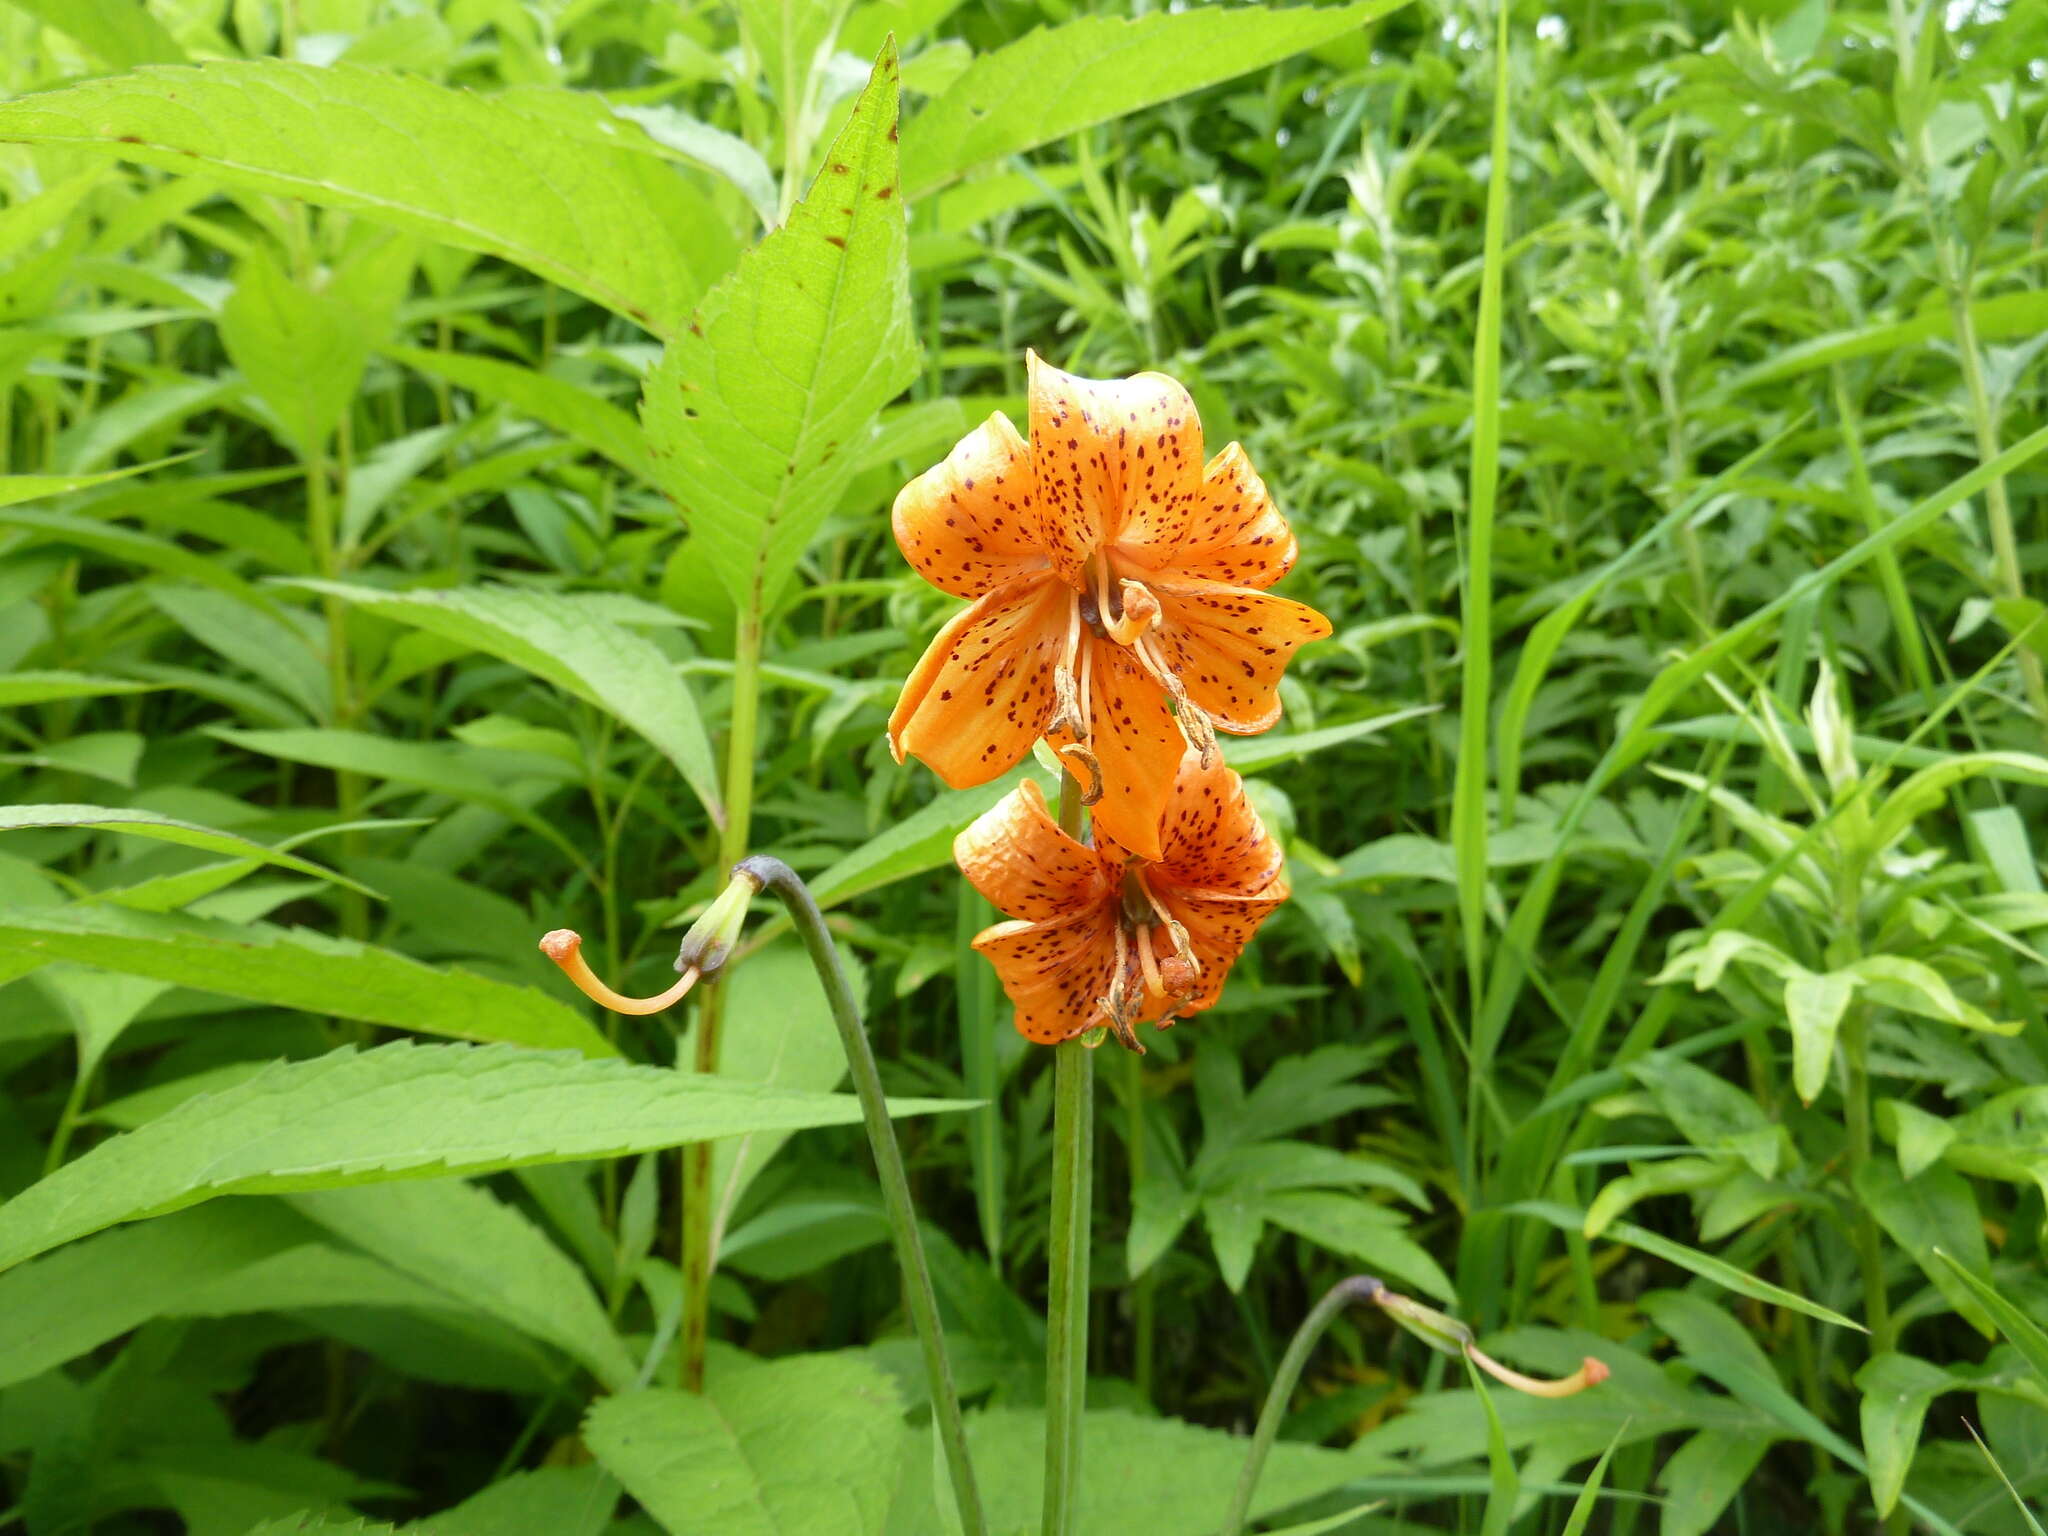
x: 708, y: 944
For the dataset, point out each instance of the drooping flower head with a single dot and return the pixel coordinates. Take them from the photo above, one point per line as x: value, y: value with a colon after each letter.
x: 1119, y: 596
x: 1101, y: 937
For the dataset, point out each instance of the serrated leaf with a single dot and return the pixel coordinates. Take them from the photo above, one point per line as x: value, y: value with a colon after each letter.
x: 567, y: 643
x: 621, y: 228
x: 165, y: 829
x: 1057, y: 80
x: 807, y: 1445
x: 297, y: 968
x: 399, y: 1111
x: 758, y: 413
x: 267, y: 647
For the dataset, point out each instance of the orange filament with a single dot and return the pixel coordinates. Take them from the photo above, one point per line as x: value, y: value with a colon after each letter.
x: 1589, y: 1374
x: 564, y: 946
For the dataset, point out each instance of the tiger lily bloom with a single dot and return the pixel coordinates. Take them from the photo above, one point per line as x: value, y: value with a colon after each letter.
x: 1100, y: 937
x: 1119, y: 605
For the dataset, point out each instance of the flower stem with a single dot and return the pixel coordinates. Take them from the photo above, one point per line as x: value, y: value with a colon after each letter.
x: 1340, y: 1296
x: 919, y: 1299
x: 1066, y: 1322
x: 697, y: 1157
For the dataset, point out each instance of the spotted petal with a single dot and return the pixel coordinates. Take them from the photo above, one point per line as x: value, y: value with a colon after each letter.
x: 982, y: 693
x: 971, y: 523
x: 1219, y: 925
x: 1116, y: 459
x: 1229, y: 645
x: 1137, y: 746
x: 1054, y: 972
x: 1211, y: 838
x: 1234, y: 533
x: 1016, y: 855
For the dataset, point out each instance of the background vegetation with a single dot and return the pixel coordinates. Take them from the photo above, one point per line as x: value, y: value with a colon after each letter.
x: 1665, y: 976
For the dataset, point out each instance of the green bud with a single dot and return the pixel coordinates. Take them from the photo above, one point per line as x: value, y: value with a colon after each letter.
x: 708, y: 944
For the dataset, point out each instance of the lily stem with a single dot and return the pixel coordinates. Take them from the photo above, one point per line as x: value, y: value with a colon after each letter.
x: 919, y: 1298
x: 697, y: 1157
x: 1066, y: 1321
x: 1306, y: 1337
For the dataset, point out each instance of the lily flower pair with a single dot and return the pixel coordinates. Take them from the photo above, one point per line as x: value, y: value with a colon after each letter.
x: 1119, y: 610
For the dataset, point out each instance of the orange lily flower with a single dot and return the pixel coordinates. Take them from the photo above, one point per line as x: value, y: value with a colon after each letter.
x: 1118, y: 596
x: 1100, y: 937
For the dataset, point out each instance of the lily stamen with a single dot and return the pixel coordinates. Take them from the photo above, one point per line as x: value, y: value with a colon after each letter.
x: 564, y: 946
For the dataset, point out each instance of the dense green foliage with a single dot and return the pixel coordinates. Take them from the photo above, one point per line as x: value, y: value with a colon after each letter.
x: 1665, y: 975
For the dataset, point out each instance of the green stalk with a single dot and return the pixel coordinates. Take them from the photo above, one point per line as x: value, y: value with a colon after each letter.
x: 732, y: 847
x: 1066, y: 1319
x: 919, y: 1299
x: 1306, y: 1337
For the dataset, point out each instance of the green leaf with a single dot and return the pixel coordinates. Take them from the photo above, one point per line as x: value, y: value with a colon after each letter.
x: 166, y: 829
x: 459, y: 1238
x: 758, y: 413
x: 618, y: 227
x: 569, y: 643
x: 2020, y: 1330
x: 1897, y: 1390
x: 298, y: 968
x: 552, y: 1501
x: 1935, y: 1211
x: 1358, y: 1229
x: 57, y: 1308
x: 302, y: 352
x: 1057, y: 80
x: 1251, y: 754
x: 1140, y: 1473
x: 19, y: 688
x: 15, y: 489
x: 1703, y: 1475
x: 1706, y: 1266
x: 1921, y: 1138
x: 807, y: 1445
x: 1814, y: 1005
x: 921, y: 841
x: 399, y: 1111
x: 122, y: 33
x: 270, y: 648
x: 569, y: 409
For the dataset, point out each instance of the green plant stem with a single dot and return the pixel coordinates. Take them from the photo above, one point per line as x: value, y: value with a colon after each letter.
x: 1285, y: 1379
x: 919, y: 1298
x: 1855, y: 1038
x: 1066, y: 1313
x: 732, y: 847
x: 1145, y: 1288
x: 2005, y: 551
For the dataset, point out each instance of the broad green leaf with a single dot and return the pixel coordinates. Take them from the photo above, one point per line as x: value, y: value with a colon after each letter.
x: 1897, y: 1390
x: 270, y: 648
x: 1357, y: 1228
x: 551, y: 1501
x: 569, y: 643
x: 758, y: 413
x: 1935, y: 1211
x: 1926, y: 789
x: 165, y: 829
x: 806, y: 1445
x: 2004, y: 1138
x: 1710, y: 1113
x: 460, y: 1238
x: 102, y: 1004
x: 1814, y: 1005
x: 1703, y: 1475
x: 298, y: 968
x: 302, y: 352
x: 1140, y: 1472
x: 1706, y: 1266
x: 122, y: 33
x: 1665, y: 1177
x: 1921, y: 1138
x: 1057, y: 80
x: 790, y: 1041
x: 1916, y: 987
x: 621, y: 228
x: 401, y: 1111
x: 569, y: 409
x: 57, y: 1308
x: 19, y: 688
